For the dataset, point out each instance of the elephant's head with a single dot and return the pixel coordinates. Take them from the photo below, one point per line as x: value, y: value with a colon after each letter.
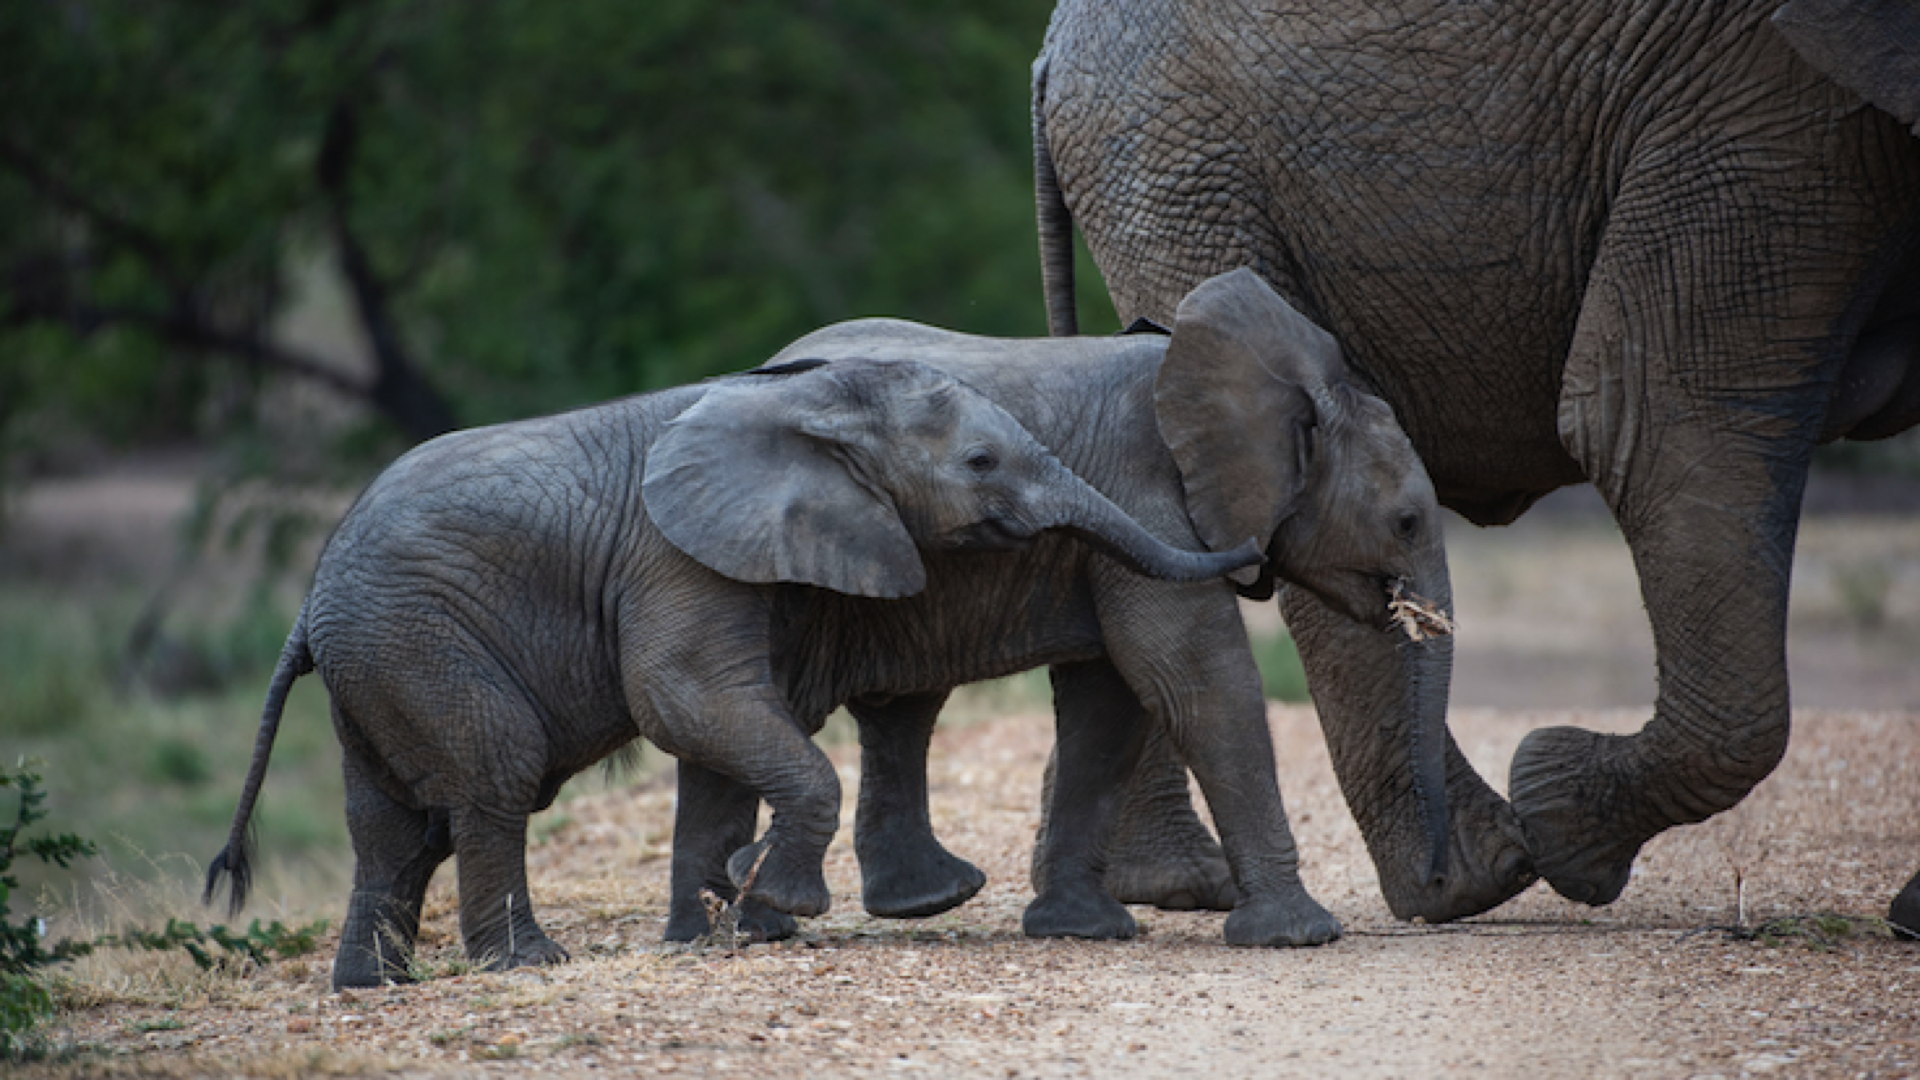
x: 1274, y: 440
x: 837, y: 474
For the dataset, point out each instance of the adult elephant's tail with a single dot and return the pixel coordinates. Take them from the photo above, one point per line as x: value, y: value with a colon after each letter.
x: 1055, y: 220
x: 236, y: 858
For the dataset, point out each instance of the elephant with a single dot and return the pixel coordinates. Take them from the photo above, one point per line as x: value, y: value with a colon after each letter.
x: 715, y: 568
x: 1239, y: 421
x: 1662, y: 248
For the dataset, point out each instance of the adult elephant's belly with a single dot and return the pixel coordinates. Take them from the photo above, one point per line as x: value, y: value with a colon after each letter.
x: 1469, y: 349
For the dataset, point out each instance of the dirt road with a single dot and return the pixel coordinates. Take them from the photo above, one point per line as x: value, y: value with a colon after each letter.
x: 1540, y: 988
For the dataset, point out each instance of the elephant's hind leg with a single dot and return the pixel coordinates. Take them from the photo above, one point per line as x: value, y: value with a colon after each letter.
x: 396, y: 850
x: 905, y: 872
x: 1160, y: 852
x: 1101, y: 730
x: 496, y: 912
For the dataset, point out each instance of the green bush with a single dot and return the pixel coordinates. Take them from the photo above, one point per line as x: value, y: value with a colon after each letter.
x: 24, y: 950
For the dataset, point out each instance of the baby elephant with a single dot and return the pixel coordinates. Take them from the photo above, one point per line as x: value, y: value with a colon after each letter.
x: 714, y: 568
x: 1242, y: 420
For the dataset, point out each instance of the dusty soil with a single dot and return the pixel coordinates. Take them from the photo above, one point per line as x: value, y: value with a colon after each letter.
x: 1653, y: 985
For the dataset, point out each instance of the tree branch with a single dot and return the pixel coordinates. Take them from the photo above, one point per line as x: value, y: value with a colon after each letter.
x: 63, y: 193
x: 398, y: 388
x: 185, y: 330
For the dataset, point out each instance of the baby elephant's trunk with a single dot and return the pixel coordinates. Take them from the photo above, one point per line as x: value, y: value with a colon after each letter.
x: 1094, y: 518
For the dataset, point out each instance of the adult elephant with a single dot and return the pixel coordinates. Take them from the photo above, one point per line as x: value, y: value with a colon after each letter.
x: 1663, y: 247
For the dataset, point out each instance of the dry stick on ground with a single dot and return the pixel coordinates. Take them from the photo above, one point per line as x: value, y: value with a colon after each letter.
x: 723, y: 919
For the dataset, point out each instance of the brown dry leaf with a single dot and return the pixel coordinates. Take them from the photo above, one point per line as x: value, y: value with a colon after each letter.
x: 1419, y: 617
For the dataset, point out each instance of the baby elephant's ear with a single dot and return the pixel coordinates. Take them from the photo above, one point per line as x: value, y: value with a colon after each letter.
x: 753, y: 483
x: 1245, y: 379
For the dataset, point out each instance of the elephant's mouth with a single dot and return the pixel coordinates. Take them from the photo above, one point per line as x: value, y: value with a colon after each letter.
x: 1365, y: 596
x: 990, y: 535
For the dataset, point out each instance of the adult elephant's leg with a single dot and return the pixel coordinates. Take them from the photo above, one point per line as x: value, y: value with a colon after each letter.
x: 1160, y: 852
x: 1100, y: 729
x: 713, y: 817
x: 1699, y: 377
x: 905, y: 873
x: 1371, y: 687
x: 396, y: 850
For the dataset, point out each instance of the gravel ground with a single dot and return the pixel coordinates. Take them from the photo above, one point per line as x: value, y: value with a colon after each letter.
x: 1654, y: 985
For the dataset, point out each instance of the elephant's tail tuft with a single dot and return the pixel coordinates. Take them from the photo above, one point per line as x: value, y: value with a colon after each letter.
x: 235, y: 861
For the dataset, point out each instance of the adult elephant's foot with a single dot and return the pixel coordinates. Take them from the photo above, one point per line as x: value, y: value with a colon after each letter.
x: 1084, y: 912
x: 1583, y: 848
x: 1287, y: 918
x: 758, y: 922
x: 1904, y: 913
x: 912, y: 881
x: 784, y: 880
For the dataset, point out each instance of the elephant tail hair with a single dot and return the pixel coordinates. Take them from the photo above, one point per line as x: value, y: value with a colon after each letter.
x: 236, y: 859
x: 1054, y: 219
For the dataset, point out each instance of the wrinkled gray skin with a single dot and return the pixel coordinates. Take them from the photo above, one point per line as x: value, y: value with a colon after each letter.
x: 714, y: 568
x: 1645, y: 244
x: 1242, y: 423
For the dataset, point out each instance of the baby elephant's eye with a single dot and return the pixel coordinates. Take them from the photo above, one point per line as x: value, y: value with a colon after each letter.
x: 982, y: 460
x: 1407, y: 525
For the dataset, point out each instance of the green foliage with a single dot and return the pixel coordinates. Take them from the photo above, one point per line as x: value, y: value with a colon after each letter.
x: 257, y: 944
x: 547, y: 204
x: 1282, y: 676
x: 23, y: 1001
x: 22, y: 944
x: 24, y: 949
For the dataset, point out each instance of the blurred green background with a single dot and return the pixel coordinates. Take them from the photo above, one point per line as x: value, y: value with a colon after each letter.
x: 251, y: 252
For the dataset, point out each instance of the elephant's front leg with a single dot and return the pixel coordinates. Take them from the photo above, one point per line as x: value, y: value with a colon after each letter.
x: 1217, y: 720
x: 1692, y: 397
x: 905, y: 872
x: 713, y: 817
x: 1160, y: 852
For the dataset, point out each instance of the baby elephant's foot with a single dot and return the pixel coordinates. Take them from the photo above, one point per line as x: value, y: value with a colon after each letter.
x: 1087, y: 912
x: 1290, y: 918
x: 916, y: 882
x: 784, y: 882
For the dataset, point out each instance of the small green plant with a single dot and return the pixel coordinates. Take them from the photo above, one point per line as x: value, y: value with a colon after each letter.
x: 24, y: 950
x: 259, y: 944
